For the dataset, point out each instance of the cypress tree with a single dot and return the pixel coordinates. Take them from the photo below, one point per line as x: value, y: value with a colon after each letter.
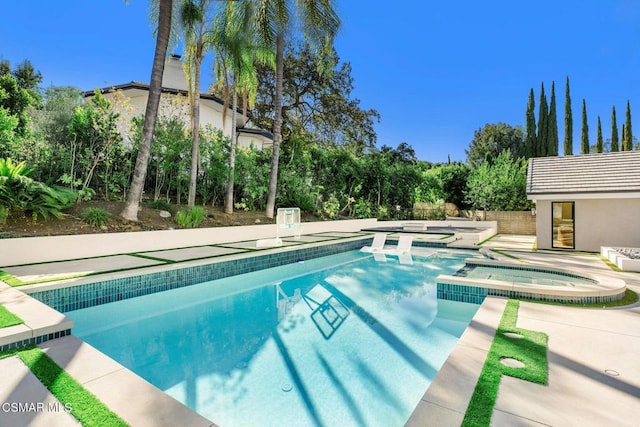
x: 627, y: 142
x: 543, y: 114
x: 552, y: 125
x: 568, y: 122
x: 614, y: 130
x: 624, y: 137
x: 599, y: 143
x: 585, y: 129
x: 530, y: 139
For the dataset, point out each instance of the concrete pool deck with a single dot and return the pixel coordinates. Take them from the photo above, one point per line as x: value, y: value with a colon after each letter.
x: 594, y: 377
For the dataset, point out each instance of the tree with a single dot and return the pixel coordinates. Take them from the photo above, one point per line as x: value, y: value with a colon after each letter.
x: 568, y: 122
x: 491, y: 140
x: 49, y: 143
x: 614, y: 130
x: 316, y: 103
x: 499, y: 186
x: 585, y: 129
x: 403, y: 153
x: 320, y: 24
x: 624, y: 136
x: 16, y: 101
x: 552, y: 125
x: 599, y: 142
x: 96, y: 144
x: 542, y: 142
x: 29, y: 79
x: 530, y: 139
x: 8, y: 124
x: 130, y: 211
x: 194, y: 20
x: 627, y: 140
x: 5, y: 67
x: 238, y: 53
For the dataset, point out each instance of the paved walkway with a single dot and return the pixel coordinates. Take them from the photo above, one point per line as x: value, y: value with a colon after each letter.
x: 594, y: 374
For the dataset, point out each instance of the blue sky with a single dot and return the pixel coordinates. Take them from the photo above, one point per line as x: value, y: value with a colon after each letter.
x: 436, y: 71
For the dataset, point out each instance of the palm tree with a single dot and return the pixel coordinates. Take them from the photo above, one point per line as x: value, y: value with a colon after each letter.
x: 319, y: 23
x: 237, y: 52
x: 197, y: 37
x: 130, y: 211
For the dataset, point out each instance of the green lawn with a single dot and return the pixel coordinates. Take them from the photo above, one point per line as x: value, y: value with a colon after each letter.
x: 530, y: 349
x: 7, y: 318
x: 83, y: 405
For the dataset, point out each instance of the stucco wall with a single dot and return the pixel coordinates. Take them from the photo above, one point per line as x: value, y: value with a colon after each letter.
x: 609, y: 222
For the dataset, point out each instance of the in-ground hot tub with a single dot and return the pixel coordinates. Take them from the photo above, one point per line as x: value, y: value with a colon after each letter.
x: 532, y: 282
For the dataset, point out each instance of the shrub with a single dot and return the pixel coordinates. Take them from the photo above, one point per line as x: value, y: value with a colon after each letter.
x: 19, y: 191
x: 362, y: 209
x: 190, y: 218
x: 96, y: 216
x: 383, y: 212
x: 331, y: 207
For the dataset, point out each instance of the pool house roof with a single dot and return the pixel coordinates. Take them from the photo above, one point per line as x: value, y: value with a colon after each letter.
x: 604, y: 175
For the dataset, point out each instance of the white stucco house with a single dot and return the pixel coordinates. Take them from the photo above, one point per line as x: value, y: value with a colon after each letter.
x: 585, y: 202
x: 174, y: 102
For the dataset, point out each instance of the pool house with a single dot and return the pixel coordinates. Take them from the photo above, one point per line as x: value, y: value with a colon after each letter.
x: 587, y: 201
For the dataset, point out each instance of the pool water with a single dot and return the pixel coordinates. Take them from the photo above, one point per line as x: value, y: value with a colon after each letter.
x: 349, y: 339
x: 526, y: 276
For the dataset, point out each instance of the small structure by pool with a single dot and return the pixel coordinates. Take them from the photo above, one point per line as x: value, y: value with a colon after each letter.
x: 531, y: 282
x: 471, y: 232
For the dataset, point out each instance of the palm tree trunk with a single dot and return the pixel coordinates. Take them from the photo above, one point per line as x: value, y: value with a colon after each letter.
x: 195, y: 150
x: 277, y: 126
x: 228, y: 202
x: 130, y: 211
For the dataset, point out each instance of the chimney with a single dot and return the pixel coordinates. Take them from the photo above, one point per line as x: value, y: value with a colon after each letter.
x: 173, y: 76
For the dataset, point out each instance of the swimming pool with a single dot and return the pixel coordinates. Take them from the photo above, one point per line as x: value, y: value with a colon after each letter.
x: 346, y: 339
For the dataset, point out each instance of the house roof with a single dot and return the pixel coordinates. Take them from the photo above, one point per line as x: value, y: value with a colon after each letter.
x: 596, y: 174
x: 145, y: 87
x: 252, y: 131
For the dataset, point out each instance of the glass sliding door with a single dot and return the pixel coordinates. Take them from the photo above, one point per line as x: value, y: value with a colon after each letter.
x: 563, y: 225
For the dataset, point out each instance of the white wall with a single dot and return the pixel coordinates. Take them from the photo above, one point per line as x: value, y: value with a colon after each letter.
x: 29, y: 250
x: 607, y: 222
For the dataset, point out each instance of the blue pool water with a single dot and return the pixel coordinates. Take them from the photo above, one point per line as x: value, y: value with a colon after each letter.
x: 531, y: 277
x: 346, y: 340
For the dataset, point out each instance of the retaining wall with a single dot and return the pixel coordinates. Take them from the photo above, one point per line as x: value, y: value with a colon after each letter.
x: 27, y: 250
x: 509, y: 222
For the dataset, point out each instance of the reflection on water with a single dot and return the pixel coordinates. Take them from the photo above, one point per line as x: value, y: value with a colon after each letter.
x: 347, y: 339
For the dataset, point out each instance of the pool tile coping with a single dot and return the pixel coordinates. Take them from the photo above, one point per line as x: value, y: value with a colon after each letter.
x: 41, y: 322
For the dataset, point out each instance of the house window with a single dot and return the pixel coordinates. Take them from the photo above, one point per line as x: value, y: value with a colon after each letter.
x: 563, y: 225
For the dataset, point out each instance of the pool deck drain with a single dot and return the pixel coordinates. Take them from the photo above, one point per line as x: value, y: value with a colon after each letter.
x: 586, y: 346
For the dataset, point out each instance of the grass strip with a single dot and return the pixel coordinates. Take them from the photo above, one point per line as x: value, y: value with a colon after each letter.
x: 530, y: 349
x: 7, y: 318
x: 486, y: 240
x: 10, y: 279
x: 84, y: 406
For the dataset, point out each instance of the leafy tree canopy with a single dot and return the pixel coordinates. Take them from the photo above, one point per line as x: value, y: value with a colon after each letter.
x: 403, y: 153
x: 26, y: 76
x: 491, y: 140
x: 15, y: 100
x: 320, y: 103
x: 499, y: 186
